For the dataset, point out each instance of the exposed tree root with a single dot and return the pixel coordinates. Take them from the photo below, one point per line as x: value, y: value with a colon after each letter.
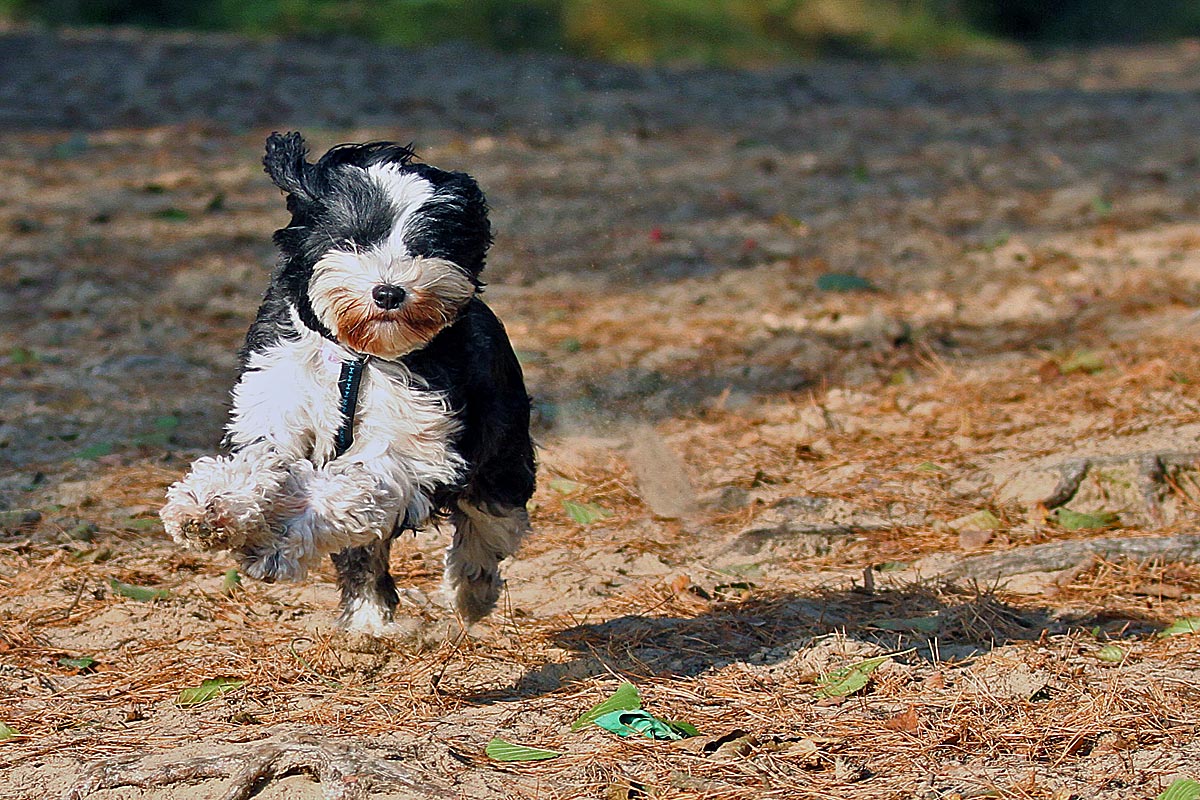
x: 1054, y: 556
x: 346, y: 771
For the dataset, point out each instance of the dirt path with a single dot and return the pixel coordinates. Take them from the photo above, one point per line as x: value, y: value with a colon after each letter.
x: 782, y: 472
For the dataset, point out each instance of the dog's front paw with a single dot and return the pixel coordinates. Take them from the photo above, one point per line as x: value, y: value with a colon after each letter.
x: 215, y: 525
x: 202, y: 534
x: 219, y: 505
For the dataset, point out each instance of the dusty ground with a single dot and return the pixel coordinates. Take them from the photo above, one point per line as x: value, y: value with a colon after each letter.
x: 785, y: 469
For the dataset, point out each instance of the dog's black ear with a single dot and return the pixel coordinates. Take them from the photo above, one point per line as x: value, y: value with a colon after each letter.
x: 287, y: 163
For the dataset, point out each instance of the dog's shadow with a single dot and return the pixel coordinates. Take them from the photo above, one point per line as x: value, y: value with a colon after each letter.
x: 942, y: 623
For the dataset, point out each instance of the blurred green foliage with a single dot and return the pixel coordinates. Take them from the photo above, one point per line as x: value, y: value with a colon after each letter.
x: 702, y: 31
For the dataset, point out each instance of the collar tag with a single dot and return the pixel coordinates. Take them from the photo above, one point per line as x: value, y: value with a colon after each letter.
x: 332, y: 353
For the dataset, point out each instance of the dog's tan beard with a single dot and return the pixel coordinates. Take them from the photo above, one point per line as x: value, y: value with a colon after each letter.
x: 436, y: 290
x: 390, y: 333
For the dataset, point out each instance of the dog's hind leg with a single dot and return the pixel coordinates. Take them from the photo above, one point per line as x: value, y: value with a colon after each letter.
x: 484, y: 535
x: 368, y: 592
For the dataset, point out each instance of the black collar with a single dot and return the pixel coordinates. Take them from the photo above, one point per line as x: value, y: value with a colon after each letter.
x: 348, y: 383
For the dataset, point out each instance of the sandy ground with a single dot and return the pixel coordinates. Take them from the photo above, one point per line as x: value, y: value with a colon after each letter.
x: 787, y: 479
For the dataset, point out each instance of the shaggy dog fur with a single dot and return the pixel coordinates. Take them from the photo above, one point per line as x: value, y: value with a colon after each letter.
x: 378, y: 391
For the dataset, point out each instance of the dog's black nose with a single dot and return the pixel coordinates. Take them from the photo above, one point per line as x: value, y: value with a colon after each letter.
x: 388, y: 296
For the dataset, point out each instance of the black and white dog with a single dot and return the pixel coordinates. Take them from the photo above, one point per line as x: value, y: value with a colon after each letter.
x: 378, y: 391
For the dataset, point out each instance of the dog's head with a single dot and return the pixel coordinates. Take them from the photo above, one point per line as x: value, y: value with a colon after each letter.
x: 381, y: 253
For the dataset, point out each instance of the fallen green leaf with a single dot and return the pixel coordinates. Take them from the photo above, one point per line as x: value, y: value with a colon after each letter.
x: 751, y: 569
x: 499, y: 750
x: 21, y: 355
x: 625, y: 698
x: 1087, y: 361
x: 137, y: 592
x: 1078, y: 521
x: 168, y: 422
x: 6, y: 732
x: 232, y: 582
x: 1181, y: 627
x: 1111, y: 653
x: 685, y: 728
x: 565, y: 486
x: 637, y: 722
x: 94, y: 555
x: 1182, y: 789
x: 173, y: 214
x: 82, y: 663
x: 843, y: 282
x: 981, y: 520
x: 929, y: 466
x: 207, y: 690
x: 585, y: 513
x: 850, y: 680
x: 94, y: 451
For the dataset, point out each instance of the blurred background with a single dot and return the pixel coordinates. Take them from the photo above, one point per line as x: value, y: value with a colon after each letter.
x: 727, y: 32
x: 847, y: 319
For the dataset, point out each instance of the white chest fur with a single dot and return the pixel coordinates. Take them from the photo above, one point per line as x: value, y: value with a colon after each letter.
x: 288, y: 396
x: 400, y: 420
